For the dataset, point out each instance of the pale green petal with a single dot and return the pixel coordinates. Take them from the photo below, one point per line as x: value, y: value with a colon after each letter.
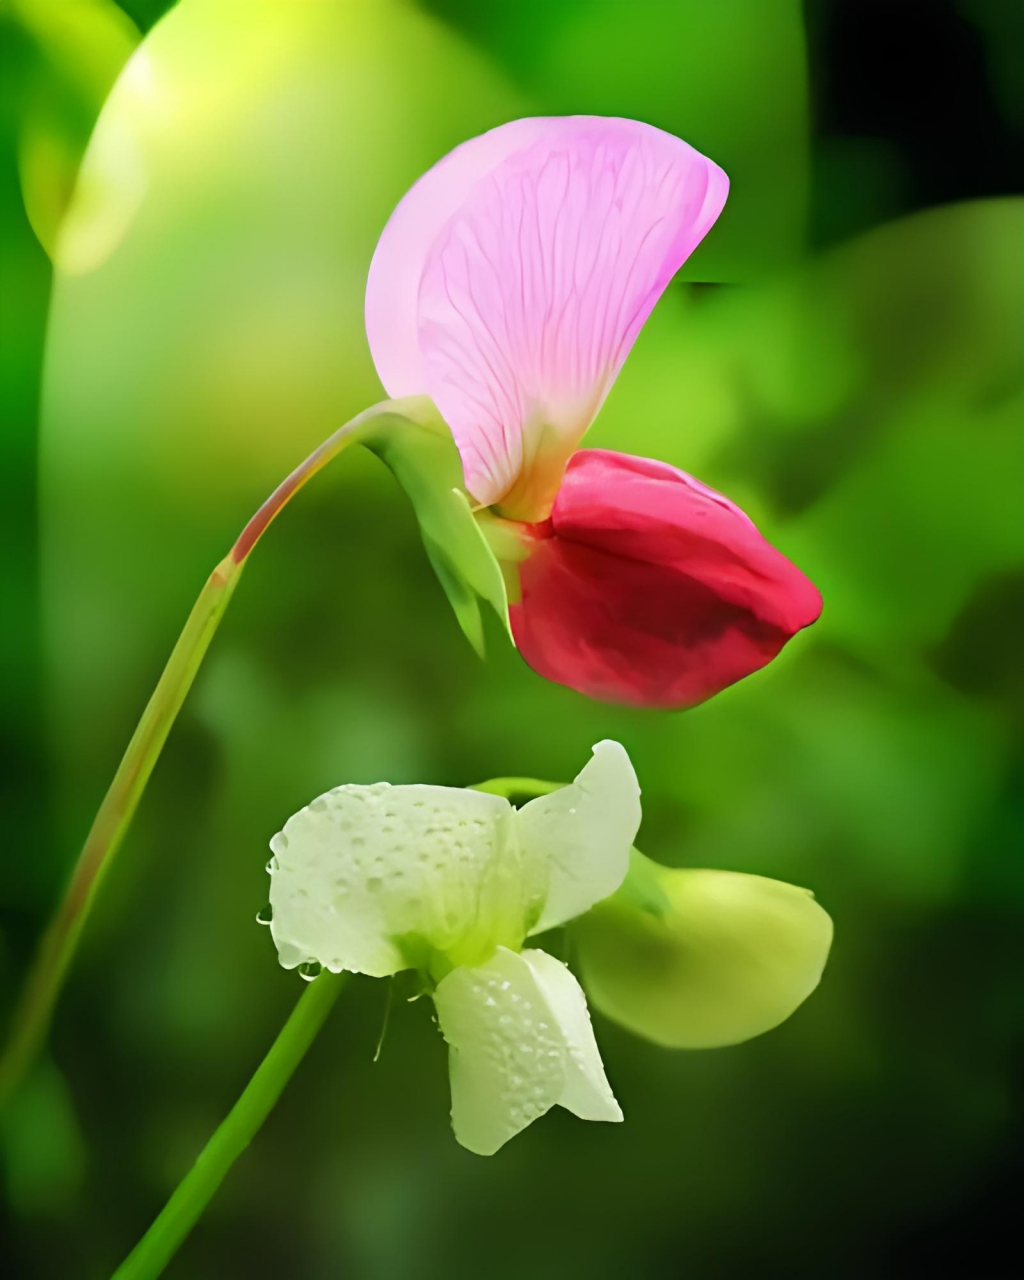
x: 587, y: 1093
x: 584, y: 832
x: 519, y: 1042
x: 380, y: 878
x: 696, y: 959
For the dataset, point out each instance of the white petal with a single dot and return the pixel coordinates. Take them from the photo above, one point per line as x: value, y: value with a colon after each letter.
x: 519, y: 1042
x: 506, y: 1057
x: 584, y: 832
x: 376, y: 879
x: 587, y: 1093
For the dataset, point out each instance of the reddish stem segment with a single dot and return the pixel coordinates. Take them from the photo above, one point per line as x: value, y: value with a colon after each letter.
x: 35, y: 1007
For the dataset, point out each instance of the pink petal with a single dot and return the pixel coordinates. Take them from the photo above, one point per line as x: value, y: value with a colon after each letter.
x: 646, y: 587
x: 514, y: 277
x: 393, y: 285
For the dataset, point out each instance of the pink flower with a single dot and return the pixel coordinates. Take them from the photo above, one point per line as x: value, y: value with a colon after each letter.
x: 509, y: 285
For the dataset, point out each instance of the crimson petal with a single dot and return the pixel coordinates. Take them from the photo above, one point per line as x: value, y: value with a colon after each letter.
x: 648, y: 588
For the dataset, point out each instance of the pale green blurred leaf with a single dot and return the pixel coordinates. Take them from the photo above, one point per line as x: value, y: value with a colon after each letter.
x: 206, y: 330
x: 78, y: 48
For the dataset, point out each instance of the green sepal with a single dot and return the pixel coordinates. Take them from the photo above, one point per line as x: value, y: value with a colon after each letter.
x: 416, y: 445
x: 696, y: 959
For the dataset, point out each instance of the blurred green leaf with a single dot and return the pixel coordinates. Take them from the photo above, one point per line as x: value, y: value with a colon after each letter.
x: 45, y: 1153
x: 76, y: 49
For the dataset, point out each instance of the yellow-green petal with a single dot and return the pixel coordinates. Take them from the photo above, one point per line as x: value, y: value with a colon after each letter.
x: 696, y: 959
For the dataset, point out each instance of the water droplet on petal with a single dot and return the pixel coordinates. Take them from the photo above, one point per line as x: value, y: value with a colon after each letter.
x: 310, y: 970
x: 265, y: 916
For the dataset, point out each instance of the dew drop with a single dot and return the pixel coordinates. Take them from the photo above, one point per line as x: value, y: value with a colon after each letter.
x: 265, y: 916
x: 374, y: 884
x: 309, y: 970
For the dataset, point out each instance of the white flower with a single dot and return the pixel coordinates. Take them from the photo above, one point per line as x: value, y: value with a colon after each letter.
x: 376, y: 879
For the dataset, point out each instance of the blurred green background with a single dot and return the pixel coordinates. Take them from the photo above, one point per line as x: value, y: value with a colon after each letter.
x: 843, y: 358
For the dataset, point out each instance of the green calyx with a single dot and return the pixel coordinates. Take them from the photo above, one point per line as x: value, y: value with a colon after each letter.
x: 414, y: 442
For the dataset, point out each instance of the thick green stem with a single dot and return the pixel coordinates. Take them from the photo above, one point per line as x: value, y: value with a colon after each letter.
x: 36, y: 1004
x: 160, y: 1243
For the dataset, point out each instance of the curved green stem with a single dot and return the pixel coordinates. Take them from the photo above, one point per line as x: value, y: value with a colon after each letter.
x: 160, y: 1243
x: 34, y: 1010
